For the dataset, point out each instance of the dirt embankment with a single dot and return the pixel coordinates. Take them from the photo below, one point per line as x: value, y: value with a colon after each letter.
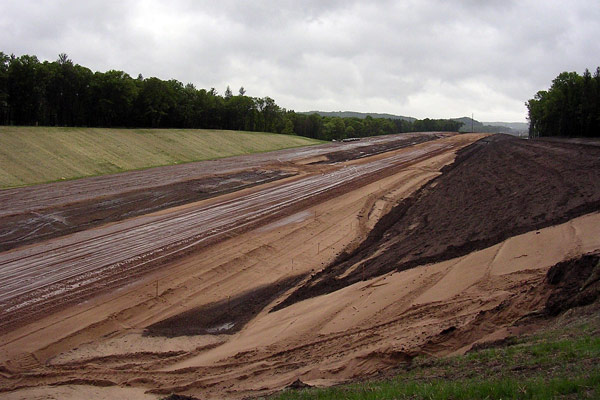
x: 358, y: 331
x: 573, y: 283
x: 497, y: 188
x: 225, y: 316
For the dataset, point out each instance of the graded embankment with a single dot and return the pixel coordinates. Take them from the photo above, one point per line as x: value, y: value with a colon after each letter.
x: 30, y: 155
x: 497, y: 188
x: 378, y: 323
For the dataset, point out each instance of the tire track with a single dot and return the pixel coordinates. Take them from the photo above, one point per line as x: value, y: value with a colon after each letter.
x: 68, y: 266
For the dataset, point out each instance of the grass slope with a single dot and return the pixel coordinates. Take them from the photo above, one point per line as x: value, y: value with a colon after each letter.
x: 30, y: 155
x: 558, y: 363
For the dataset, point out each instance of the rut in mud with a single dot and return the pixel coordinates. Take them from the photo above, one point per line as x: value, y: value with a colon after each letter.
x: 34, y: 226
x: 497, y: 188
x: 37, y: 213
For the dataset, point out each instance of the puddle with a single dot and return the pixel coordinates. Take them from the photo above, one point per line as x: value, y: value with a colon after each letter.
x: 292, y: 219
x: 221, y: 328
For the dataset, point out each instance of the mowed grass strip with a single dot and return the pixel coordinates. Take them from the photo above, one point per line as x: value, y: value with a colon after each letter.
x: 30, y: 155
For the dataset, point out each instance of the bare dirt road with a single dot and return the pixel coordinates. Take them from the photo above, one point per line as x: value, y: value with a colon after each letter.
x: 73, y: 267
x: 218, y: 322
x: 31, y: 214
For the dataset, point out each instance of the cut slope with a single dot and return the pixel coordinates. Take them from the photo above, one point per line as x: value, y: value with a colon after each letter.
x: 497, y: 188
x: 31, y: 155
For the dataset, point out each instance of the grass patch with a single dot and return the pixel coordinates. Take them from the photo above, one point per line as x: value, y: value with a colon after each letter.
x: 31, y: 155
x: 579, y: 387
x: 562, y: 363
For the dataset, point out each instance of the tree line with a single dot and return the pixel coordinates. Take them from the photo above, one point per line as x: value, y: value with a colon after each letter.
x: 61, y: 93
x: 571, y: 107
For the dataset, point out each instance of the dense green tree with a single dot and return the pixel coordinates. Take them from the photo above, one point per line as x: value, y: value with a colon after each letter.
x: 113, y: 94
x: 571, y: 107
x: 228, y: 93
x: 334, y: 128
x: 157, y: 98
x: 4, y: 107
x: 25, y: 90
x: 63, y: 93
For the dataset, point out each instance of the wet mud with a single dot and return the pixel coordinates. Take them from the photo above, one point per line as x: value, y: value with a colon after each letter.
x: 227, y: 316
x: 57, y: 214
x: 378, y: 148
x: 34, y: 226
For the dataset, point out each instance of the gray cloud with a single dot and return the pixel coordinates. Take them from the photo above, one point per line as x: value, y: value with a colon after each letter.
x: 418, y: 58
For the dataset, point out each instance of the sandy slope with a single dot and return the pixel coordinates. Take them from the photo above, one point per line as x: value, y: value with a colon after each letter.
x: 98, y: 349
x: 362, y: 328
x: 359, y: 330
x: 297, y: 244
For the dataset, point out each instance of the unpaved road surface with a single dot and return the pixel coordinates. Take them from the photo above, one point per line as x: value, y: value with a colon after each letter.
x: 32, y: 226
x: 224, y: 321
x: 32, y: 214
x: 71, y: 268
x: 59, y: 193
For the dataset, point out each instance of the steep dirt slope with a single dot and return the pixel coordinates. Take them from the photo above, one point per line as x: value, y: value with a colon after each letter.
x: 497, y: 188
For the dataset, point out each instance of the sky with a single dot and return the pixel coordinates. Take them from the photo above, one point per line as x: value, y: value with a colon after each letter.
x: 425, y: 58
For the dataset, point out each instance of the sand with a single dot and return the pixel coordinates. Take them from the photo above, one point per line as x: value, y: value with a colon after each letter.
x: 98, y: 349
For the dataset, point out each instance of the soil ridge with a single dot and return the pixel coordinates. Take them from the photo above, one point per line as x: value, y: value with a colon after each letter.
x: 496, y: 188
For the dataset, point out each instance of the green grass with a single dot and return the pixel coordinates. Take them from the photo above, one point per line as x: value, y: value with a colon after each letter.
x: 30, y: 155
x: 556, y: 364
x: 579, y: 387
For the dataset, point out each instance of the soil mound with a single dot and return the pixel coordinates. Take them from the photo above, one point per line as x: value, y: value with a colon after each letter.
x: 574, y: 283
x: 497, y: 188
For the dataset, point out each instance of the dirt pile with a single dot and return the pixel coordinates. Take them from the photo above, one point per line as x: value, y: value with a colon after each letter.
x: 497, y: 188
x: 574, y: 283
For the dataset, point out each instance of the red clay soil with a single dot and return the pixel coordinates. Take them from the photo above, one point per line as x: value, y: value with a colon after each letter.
x: 497, y: 188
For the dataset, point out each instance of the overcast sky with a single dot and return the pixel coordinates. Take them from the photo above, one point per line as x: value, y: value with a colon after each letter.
x: 436, y: 59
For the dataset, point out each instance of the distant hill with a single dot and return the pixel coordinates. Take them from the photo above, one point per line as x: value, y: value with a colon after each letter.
x: 512, y: 128
x: 516, y: 126
x: 354, y: 114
